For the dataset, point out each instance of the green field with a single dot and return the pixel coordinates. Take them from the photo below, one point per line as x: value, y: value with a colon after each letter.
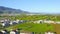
x: 33, y: 27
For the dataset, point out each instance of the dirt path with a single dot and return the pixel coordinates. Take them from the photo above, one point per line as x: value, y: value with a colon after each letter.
x: 57, y: 28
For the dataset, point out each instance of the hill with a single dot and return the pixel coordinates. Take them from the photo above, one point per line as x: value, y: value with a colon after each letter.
x: 7, y: 10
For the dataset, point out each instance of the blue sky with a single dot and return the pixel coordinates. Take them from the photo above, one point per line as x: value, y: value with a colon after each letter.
x: 44, y: 6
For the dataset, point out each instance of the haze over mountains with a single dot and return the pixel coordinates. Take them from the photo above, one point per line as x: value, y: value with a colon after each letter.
x: 7, y: 10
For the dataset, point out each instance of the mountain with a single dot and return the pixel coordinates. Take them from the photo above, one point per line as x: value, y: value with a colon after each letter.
x: 7, y: 10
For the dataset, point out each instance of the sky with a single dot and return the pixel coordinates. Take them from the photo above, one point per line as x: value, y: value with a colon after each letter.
x: 37, y: 6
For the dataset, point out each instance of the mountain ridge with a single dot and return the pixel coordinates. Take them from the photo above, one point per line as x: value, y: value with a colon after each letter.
x: 11, y: 10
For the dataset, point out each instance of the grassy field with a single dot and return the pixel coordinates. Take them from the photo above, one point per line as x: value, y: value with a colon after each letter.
x: 33, y: 27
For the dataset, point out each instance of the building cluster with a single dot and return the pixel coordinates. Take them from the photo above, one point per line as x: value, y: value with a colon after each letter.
x: 14, y: 32
x: 47, y: 21
x: 7, y: 22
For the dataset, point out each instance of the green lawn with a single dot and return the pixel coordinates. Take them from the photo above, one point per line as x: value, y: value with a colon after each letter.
x: 33, y: 27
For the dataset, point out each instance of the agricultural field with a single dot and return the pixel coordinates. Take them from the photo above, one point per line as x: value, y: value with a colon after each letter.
x: 31, y: 27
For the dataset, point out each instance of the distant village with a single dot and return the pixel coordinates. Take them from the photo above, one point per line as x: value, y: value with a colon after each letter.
x: 7, y: 22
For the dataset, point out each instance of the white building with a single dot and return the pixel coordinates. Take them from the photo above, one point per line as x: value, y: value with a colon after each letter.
x: 12, y: 32
x: 13, y: 22
x: 3, y: 31
x: 49, y: 33
x: 23, y: 33
x: 17, y: 21
x: 5, y: 24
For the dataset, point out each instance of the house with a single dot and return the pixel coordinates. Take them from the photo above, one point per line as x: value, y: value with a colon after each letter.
x: 5, y: 24
x: 13, y: 22
x: 12, y: 32
x: 17, y: 21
